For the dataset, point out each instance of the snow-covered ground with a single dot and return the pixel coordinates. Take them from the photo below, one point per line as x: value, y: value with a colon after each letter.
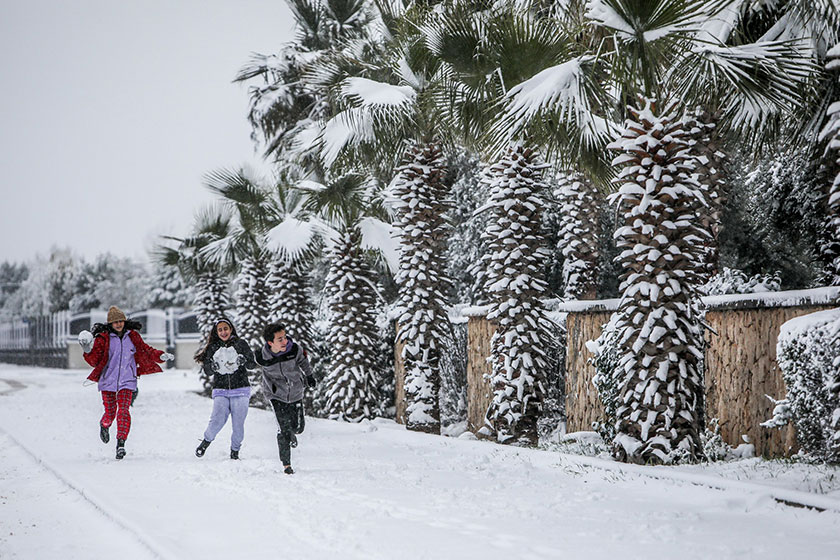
x: 361, y: 491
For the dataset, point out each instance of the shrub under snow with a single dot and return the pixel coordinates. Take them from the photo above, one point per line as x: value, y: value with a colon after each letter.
x: 808, y: 352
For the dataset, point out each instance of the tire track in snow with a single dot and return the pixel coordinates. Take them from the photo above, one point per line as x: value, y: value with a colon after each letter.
x: 138, y: 535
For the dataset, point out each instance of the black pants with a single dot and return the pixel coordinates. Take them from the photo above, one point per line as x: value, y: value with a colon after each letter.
x: 289, y: 421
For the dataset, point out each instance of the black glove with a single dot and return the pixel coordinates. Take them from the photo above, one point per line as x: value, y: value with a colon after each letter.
x: 310, y: 381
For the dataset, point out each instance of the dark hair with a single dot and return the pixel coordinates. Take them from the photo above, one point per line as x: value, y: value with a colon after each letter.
x: 268, y: 332
x: 213, y: 338
x: 106, y: 327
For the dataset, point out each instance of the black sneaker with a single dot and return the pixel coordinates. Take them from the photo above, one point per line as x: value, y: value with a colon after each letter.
x: 120, y: 448
x: 234, y: 454
x: 289, y: 470
x: 293, y: 441
x: 202, y: 447
x: 103, y: 434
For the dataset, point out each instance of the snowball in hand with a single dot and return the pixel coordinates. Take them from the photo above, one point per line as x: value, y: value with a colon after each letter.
x: 226, y: 359
x: 86, y: 340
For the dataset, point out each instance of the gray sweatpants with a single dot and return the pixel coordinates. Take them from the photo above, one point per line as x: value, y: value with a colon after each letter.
x: 237, y: 409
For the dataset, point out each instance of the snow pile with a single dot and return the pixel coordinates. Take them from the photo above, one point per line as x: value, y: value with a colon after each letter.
x: 808, y: 351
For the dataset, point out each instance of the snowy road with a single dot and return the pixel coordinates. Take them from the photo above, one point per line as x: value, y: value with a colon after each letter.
x: 361, y: 491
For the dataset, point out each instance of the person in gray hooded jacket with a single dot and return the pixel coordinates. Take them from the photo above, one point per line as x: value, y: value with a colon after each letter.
x: 285, y: 373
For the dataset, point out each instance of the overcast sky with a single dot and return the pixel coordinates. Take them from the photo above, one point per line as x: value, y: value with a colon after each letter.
x: 112, y: 111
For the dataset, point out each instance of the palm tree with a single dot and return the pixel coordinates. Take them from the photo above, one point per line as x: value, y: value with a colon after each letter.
x: 243, y: 248
x: 658, y: 54
x: 211, y: 281
x: 486, y: 55
x: 347, y: 214
x: 386, y: 122
x: 653, y: 49
x: 291, y: 94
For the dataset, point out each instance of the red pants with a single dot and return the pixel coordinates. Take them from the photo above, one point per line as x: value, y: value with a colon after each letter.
x: 117, y: 405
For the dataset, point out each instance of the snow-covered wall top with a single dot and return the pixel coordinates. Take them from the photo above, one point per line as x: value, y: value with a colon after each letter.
x: 793, y: 298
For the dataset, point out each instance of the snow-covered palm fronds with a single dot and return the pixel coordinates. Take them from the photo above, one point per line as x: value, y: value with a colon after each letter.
x: 751, y: 84
x: 659, y: 419
x: 514, y: 265
x: 567, y: 95
x: 579, y: 243
x: 418, y: 192
x: 292, y: 87
x: 351, y: 393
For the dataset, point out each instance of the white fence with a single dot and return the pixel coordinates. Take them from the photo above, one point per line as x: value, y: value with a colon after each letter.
x: 51, y: 340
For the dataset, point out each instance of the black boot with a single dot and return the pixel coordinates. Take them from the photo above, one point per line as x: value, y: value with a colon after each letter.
x: 288, y: 469
x: 120, y: 448
x: 103, y: 434
x: 234, y: 454
x: 202, y: 447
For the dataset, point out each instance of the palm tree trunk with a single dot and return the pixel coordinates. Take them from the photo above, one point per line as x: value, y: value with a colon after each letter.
x: 514, y: 266
x: 580, y: 206
x: 419, y: 193
x: 351, y: 384
x: 659, y: 418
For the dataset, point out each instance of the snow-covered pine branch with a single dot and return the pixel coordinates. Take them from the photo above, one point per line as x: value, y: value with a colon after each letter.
x: 419, y: 194
x: 579, y: 242
x: 659, y: 417
x: 514, y: 265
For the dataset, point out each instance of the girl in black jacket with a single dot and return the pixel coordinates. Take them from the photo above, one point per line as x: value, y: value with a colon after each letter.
x: 227, y: 358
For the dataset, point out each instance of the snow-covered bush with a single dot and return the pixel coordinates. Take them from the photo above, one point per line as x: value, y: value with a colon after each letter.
x: 734, y: 281
x: 808, y: 353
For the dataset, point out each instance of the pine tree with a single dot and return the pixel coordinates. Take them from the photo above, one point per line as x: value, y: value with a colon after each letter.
x: 419, y: 208
x: 659, y: 419
x: 514, y: 282
x: 351, y: 382
x: 168, y: 288
x: 579, y: 241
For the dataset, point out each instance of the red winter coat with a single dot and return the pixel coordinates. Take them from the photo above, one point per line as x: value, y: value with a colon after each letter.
x: 147, y: 358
